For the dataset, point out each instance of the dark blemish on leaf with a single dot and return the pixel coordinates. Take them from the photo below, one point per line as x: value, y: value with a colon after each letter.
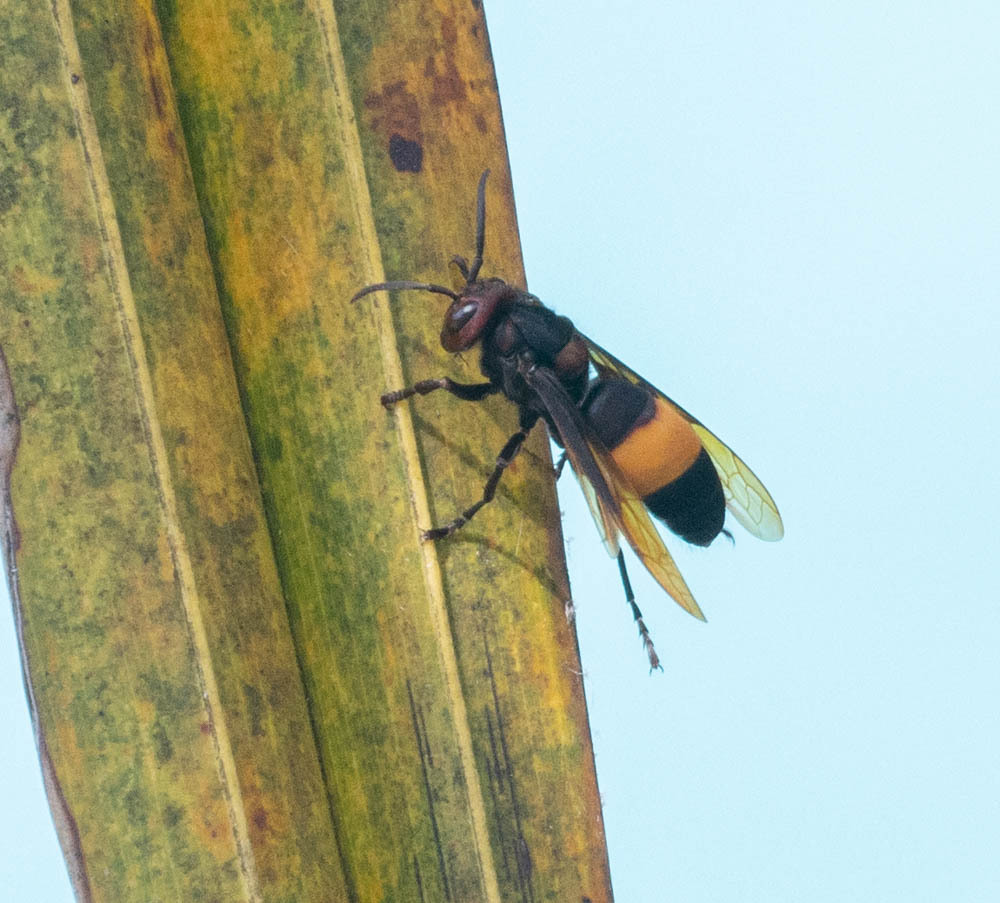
x: 524, y: 864
x: 154, y: 85
x: 406, y: 155
x: 74, y: 78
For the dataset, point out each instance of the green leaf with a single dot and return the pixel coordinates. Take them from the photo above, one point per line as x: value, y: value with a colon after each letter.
x: 250, y: 678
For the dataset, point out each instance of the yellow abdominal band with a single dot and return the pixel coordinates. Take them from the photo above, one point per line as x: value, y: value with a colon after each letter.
x: 657, y: 452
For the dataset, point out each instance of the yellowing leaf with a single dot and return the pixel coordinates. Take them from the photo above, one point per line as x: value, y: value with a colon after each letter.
x: 251, y: 679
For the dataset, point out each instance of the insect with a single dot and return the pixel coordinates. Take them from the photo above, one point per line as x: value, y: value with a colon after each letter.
x: 634, y: 451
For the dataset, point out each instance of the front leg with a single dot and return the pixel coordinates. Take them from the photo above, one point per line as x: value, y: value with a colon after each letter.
x: 465, y: 391
x: 507, y: 454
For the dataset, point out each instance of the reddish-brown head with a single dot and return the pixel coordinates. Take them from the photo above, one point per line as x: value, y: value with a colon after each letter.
x: 471, y: 312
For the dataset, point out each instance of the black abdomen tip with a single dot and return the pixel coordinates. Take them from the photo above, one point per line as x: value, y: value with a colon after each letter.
x: 693, y: 506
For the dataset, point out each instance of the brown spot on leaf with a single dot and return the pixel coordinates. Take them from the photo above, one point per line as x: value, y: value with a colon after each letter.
x: 448, y: 86
x: 395, y: 115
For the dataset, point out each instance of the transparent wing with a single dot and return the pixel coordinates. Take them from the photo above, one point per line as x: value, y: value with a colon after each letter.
x: 644, y: 538
x: 616, y: 506
x: 750, y: 503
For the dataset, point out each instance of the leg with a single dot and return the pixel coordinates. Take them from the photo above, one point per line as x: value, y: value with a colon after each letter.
x: 647, y: 640
x: 507, y: 454
x: 465, y: 391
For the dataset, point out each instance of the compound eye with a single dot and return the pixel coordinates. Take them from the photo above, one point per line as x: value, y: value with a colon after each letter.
x: 461, y: 315
x: 470, y: 314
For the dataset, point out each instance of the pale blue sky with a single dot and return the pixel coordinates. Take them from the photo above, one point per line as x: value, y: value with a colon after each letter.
x: 787, y: 216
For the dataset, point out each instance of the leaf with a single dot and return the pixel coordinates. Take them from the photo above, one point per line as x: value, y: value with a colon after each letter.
x: 250, y: 678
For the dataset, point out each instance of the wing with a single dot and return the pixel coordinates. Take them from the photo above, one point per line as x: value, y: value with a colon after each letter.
x: 597, y: 489
x: 644, y: 538
x: 750, y: 503
x: 613, y: 502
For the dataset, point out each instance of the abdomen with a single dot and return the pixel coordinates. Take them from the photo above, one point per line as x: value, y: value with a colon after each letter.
x: 660, y: 455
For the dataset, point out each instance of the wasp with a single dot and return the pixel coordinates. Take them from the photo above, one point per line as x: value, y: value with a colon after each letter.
x: 634, y: 451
